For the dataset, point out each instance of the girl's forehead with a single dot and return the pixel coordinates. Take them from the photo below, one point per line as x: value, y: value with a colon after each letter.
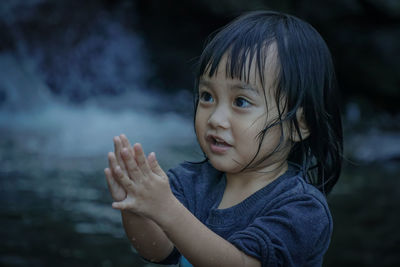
x: 256, y: 70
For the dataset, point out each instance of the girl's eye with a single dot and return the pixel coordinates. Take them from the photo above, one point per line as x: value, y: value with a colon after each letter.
x: 241, y: 102
x: 206, y: 97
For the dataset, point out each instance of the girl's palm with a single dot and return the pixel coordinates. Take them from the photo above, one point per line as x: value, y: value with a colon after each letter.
x: 118, y: 193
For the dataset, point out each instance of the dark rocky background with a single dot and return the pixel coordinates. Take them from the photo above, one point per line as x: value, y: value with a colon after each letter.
x: 74, y: 74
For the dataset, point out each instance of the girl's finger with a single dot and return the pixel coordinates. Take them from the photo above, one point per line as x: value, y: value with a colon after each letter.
x: 132, y: 168
x: 109, y: 178
x: 117, y: 150
x: 112, y: 163
x: 124, y: 140
x: 154, y: 166
x: 119, y: 175
x: 124, y: 180
x: 127, y: 144
x: 141, y: 159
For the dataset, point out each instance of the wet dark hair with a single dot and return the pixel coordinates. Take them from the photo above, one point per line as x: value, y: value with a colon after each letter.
x: 305, y: 79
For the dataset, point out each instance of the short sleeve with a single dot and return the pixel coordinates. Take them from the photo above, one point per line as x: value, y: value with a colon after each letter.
x: 296, y: 233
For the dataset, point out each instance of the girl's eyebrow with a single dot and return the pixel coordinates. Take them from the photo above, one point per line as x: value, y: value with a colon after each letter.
x: 245, y: 86
x: 234, y: 86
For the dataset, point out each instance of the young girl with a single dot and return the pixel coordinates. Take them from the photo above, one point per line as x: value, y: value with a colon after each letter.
x: 268, y: 122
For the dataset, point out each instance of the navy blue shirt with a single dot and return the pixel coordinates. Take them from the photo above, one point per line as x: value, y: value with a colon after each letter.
x: 286, y: 223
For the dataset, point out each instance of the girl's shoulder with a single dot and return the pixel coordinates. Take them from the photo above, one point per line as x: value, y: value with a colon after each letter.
x: 303, y: 188
x: 294, y: 183
x: 295, y: 191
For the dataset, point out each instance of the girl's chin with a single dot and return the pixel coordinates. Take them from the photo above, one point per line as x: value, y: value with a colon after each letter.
x: 227, y: 167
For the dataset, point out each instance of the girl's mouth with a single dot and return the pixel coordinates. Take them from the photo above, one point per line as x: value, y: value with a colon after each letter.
x: 218, y: 145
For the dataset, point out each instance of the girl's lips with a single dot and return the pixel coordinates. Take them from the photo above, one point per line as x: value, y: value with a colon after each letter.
x: 217, y: 144
x: 219, y: 148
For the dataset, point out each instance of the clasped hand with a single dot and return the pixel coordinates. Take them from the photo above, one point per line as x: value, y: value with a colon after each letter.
x: 136, y: 183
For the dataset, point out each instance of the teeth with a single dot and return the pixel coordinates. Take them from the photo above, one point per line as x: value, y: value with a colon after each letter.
x: 218, y: 142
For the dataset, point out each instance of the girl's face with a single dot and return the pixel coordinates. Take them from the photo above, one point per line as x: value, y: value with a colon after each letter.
x: 229, y: 117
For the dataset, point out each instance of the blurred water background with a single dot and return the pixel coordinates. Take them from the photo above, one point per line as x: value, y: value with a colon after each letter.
x: 75, y: 74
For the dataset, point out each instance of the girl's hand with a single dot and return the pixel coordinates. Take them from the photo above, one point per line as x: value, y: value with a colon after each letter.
x: 117, y: 191
x: 146, y: 185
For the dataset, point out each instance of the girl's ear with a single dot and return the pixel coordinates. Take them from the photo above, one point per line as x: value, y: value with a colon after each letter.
x: 304, y: 131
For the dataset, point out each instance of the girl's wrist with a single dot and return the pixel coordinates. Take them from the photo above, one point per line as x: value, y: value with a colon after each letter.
x: 171, y: 210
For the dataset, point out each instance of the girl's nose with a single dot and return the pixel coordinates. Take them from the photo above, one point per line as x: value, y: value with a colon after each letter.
x: 219, y: 118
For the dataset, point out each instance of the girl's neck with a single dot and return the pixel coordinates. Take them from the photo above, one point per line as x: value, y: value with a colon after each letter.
x: 240, y: 186
x: 264, y: 175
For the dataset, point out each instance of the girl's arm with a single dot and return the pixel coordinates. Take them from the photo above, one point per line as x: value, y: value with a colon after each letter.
x: 145, y: 235
x: 199, y: 244
x: 149, y: 194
